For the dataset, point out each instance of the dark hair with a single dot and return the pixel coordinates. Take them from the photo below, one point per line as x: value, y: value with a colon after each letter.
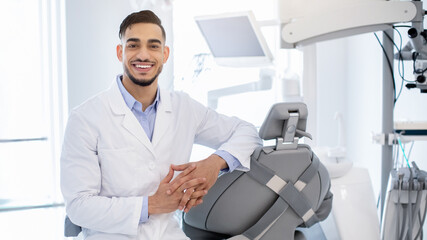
x: 144, y: 16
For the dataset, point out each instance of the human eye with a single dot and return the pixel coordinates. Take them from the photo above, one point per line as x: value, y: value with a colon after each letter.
x: 155, y: 46
x: 132, y: 45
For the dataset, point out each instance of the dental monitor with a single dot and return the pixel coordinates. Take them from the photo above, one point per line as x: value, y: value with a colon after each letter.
x: 235, y: 40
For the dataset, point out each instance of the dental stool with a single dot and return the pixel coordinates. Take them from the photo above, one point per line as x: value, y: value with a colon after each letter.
x: 287, y: 187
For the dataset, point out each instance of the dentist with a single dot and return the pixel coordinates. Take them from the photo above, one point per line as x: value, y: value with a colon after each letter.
x: 122, y: 147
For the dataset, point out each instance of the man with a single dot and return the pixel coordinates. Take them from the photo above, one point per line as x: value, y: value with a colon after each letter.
x: 122, y: 147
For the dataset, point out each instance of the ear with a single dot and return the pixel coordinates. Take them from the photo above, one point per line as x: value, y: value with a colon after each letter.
x: 166, y: 52
x: 119, y: 50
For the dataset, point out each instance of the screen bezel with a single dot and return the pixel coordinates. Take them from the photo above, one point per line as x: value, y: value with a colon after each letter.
x: 244, y: 61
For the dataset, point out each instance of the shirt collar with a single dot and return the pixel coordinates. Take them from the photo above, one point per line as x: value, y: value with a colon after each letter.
x: 129, y: 99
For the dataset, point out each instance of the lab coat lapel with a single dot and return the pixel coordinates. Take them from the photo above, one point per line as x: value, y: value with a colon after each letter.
x: 163, y: 117
x: 130, y: 123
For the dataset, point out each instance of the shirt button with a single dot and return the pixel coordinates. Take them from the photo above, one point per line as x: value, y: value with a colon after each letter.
x: 151, y: 165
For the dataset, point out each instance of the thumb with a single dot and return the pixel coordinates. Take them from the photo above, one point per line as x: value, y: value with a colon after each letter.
x: 168, y: 177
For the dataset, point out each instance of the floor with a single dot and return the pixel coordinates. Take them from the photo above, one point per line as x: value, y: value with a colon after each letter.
x: 35, y: 224
x: 47, y: 224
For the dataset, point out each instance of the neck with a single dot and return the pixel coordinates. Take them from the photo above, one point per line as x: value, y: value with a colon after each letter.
x: 143, y: 94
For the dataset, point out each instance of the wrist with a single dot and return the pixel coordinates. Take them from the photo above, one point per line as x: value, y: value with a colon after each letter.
x: 152, y: 209
x: 219, y: 162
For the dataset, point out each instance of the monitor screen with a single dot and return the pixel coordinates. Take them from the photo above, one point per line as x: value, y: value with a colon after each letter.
x: 235, y: 40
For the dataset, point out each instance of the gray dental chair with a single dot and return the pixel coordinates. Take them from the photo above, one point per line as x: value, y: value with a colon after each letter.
x: 287, y: 187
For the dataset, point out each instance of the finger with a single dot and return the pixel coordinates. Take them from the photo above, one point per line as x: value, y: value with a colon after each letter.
x: 199, y: 201
x: 203, y: 186
x: 185, y: 198
x: 177, y: 184
x: 181, y: 167
x: 192, y: 183
x: 186, y: 171
x: 206, y: 184
x: 199, y: 194
x: 181, y: 178
x: 190, y: 205
x: 168, y: 177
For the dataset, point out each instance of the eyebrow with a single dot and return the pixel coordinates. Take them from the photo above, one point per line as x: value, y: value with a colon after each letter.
x: 149, y: 41
x: 133, y: 40
x: 155, y: 41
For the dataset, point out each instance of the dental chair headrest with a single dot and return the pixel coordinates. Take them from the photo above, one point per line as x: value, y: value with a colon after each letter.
x: 277, y: 117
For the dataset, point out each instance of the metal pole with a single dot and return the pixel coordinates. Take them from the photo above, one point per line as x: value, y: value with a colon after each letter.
x: 387, y: 114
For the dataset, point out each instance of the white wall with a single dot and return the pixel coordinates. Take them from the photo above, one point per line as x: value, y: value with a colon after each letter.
x: 364, y: 104
x: 331, y: 84
x: 92, y: 36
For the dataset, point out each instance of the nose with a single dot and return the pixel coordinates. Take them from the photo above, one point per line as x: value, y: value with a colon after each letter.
x: 143, y: 53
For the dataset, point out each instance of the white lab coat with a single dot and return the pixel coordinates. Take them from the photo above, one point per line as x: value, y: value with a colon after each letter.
x: 108, y: 164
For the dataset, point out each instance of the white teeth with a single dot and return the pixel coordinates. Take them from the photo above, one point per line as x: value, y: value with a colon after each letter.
x: 143, y: 66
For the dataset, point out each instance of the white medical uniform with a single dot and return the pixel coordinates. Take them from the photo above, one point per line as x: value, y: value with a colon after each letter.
x: 108, y: 164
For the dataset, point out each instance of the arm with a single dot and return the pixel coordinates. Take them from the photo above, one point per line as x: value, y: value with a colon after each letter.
x: 227, y: 134
x: 81, y: 186
x: 232, y: 162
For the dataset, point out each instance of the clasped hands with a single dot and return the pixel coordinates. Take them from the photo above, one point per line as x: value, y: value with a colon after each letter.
x: 188, y: 188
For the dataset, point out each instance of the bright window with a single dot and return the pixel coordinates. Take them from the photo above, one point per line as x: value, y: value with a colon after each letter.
x: 32, y: 108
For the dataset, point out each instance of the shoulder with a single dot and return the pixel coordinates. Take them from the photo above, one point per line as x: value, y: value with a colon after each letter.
x: 181, y: 100
x: 91, y: 103
x: 91, y: 109
x: 175, y: 95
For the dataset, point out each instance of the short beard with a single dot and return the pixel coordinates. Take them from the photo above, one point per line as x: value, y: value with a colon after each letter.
x: 141, y: 83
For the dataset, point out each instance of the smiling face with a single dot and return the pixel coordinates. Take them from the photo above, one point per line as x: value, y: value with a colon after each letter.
x: 143, y: 53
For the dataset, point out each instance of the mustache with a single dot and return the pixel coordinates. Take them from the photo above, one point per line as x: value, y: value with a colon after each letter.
x: 139, y: 60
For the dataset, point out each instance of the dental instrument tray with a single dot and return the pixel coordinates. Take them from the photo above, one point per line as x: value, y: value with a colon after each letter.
x: 406, y: 206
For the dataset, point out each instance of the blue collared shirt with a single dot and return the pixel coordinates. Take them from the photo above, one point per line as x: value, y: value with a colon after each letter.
x: 147, y: 120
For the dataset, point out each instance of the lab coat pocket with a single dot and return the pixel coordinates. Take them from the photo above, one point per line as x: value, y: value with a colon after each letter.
x: 118, y: 169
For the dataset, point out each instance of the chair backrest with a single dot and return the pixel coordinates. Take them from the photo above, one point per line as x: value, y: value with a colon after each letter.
x: 286, y: 187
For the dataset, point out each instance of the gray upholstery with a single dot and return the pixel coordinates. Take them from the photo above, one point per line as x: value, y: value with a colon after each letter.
x: 272, y: 126
x: 248, y: 206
